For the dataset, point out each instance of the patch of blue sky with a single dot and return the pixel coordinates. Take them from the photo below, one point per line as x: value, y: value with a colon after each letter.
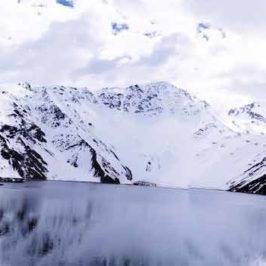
x: 119, y: 27
x: 68, y: 3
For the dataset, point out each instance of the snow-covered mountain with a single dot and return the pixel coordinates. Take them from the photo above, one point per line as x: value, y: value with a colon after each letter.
x: 150, y: 134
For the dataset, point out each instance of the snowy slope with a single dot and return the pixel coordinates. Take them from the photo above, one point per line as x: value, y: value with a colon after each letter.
x: 40, y: 141
x: 154, y: 133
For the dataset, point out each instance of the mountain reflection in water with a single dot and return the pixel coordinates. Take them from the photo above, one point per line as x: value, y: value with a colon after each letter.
x: 76, y: 224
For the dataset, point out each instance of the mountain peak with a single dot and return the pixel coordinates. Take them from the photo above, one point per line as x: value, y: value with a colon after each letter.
x: 151, y: 99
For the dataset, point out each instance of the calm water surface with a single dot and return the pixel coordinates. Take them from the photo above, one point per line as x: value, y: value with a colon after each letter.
x: 76, y: 224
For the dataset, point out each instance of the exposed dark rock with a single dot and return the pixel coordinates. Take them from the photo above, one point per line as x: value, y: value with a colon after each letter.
x: 99, y: 171
x: 128, y: 173
x: 249, y: 110
x: 108, y: 180
x: 29, y: 164
x: 249, y: 184
x: 257, y: 186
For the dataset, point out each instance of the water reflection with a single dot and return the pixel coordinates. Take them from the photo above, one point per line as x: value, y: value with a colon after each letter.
x: 85, y: 224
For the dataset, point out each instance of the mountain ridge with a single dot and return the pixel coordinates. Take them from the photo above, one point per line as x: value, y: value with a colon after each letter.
x: 143, y: 134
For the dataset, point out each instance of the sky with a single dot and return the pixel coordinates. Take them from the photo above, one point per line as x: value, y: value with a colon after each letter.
x: 214, y: 49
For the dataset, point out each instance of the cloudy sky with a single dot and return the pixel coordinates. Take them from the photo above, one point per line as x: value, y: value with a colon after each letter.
x: 215, y: 49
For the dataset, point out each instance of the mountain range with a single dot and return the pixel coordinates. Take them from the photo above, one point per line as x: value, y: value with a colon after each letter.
x: 153, y: 134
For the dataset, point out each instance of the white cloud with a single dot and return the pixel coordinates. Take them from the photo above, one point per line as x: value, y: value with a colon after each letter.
x: 46, y: 43
x: 241, y: 15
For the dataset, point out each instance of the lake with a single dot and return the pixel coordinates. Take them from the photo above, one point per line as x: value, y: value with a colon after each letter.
x: 76, y: 224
